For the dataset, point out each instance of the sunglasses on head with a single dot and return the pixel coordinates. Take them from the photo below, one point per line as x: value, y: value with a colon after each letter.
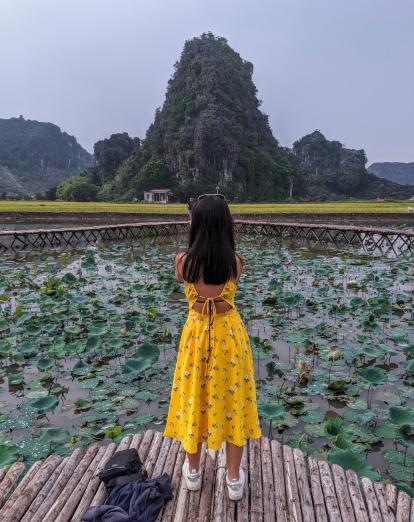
x: 202, y: 196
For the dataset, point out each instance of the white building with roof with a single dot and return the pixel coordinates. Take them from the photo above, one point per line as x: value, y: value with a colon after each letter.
x: 158, y: 196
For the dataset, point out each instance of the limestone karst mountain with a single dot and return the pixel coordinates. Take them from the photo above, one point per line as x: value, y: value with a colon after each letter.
x: 210, y: 131
x: 35, y: 156
x: 331, y: 171
x: 394, y: 171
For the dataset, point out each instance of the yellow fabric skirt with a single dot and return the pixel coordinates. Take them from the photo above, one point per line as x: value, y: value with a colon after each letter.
x: 213, y: 395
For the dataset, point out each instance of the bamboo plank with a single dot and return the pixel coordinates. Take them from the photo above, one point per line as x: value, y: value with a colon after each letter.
x: 328, y: 489
x: 162, y: 456
x: 136, y: 440
x: 152, y: 456
x: 81, y: 468
x: 403, y: 507
x: 391, y: 496
x: 76, y: 496
x: 256, y: 486
x: 181, y: 505
x: 303, y: 486
x: 387, y: 514
x: 282, y: 511
x: 269, y: 513
x: 19, y: 505
x: 371, y: 499
x: 124, y: 443
x: 207, y: 486
x: 232, y: 505
x: 194, y: 499
x: 317, y: 493
x: 57, y: 486
x: 23, y: 483
x: 242, y: 505
x: 93, y: 485
x: 292, y: 494
x: 169, y: 509
x: 220, y: 499
x: 169, y: 467
x: 40, y: 497
x: 145, y: 444
x: 357, y: 497
x: 10, y: 480
x: 342, y: 493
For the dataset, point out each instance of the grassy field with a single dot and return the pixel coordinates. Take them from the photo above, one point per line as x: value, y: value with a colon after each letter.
x: 237, y: 208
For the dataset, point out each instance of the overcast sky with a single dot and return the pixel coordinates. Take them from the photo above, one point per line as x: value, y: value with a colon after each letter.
x: 95, y: 67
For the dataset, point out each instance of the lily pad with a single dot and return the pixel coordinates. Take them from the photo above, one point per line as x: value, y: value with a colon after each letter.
x: 44, y: 404
x: 348, y: 459
x: 401, y: 415
x: 8, y: 455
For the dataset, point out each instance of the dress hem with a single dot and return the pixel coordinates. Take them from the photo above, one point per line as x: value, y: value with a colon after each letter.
x: 213, y: 447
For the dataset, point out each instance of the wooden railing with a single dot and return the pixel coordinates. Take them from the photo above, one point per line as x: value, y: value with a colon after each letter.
x: 384, y: 240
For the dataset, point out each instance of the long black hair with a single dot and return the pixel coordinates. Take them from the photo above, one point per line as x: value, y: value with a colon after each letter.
x: 211, y: 248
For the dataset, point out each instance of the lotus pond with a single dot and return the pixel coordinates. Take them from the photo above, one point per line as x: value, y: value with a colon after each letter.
x: 88, y: 343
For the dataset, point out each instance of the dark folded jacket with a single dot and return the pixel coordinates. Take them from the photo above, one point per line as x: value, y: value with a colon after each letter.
x: 133, y: 502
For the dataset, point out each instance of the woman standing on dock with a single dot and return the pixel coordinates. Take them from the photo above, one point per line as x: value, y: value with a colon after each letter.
x: 213, y: 395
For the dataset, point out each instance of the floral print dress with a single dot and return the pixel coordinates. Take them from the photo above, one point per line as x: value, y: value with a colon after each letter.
x: 213, y: 395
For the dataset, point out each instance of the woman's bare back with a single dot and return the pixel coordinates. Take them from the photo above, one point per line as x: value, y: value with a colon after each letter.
x: 203, y: 289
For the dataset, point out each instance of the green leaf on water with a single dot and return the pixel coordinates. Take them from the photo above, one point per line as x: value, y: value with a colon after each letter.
x: 54, y: 436
x: 373, y: 375
x: 272, y: 412
x: 348, y: 459
x: 8, y: 455
x: 44, y: 404
x: 401, y: 415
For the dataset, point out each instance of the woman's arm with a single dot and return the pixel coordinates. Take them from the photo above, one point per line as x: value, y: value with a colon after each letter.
x: 178, y: 266
x: 239, y: 262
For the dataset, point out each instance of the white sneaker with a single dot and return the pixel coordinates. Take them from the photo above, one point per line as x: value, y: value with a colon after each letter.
x: 235, y: 487
x: 193, y: 480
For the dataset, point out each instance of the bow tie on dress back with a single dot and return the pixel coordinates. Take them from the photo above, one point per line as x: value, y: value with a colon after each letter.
x: 212, y: 311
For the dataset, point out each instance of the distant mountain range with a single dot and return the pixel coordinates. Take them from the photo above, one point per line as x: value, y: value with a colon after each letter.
x: 35, y: 156
x: 399, y: 172
x: 209, y: 131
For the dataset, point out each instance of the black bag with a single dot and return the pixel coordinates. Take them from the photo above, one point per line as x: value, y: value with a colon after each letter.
x: 124, y: 466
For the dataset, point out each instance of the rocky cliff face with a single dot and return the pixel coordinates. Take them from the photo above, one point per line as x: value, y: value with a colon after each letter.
x: 332, y: 171
x: 210, y: 130
x: 35, y: 156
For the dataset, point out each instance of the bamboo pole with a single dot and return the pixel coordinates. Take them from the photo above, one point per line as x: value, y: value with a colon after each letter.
x: 20, y: 503
x: 78, y: 473
x: 10, y: 480
x: 93, y: 485
x: 39, y: 511
x: 43, y: 493
x: 76, y: 496
x: 23, y: 483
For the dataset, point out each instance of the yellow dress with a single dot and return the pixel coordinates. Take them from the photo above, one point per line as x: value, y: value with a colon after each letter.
x: 213, y: 394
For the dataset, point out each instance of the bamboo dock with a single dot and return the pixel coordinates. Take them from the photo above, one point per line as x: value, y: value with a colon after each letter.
x: 282, y: 484
x: 384, y: 240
